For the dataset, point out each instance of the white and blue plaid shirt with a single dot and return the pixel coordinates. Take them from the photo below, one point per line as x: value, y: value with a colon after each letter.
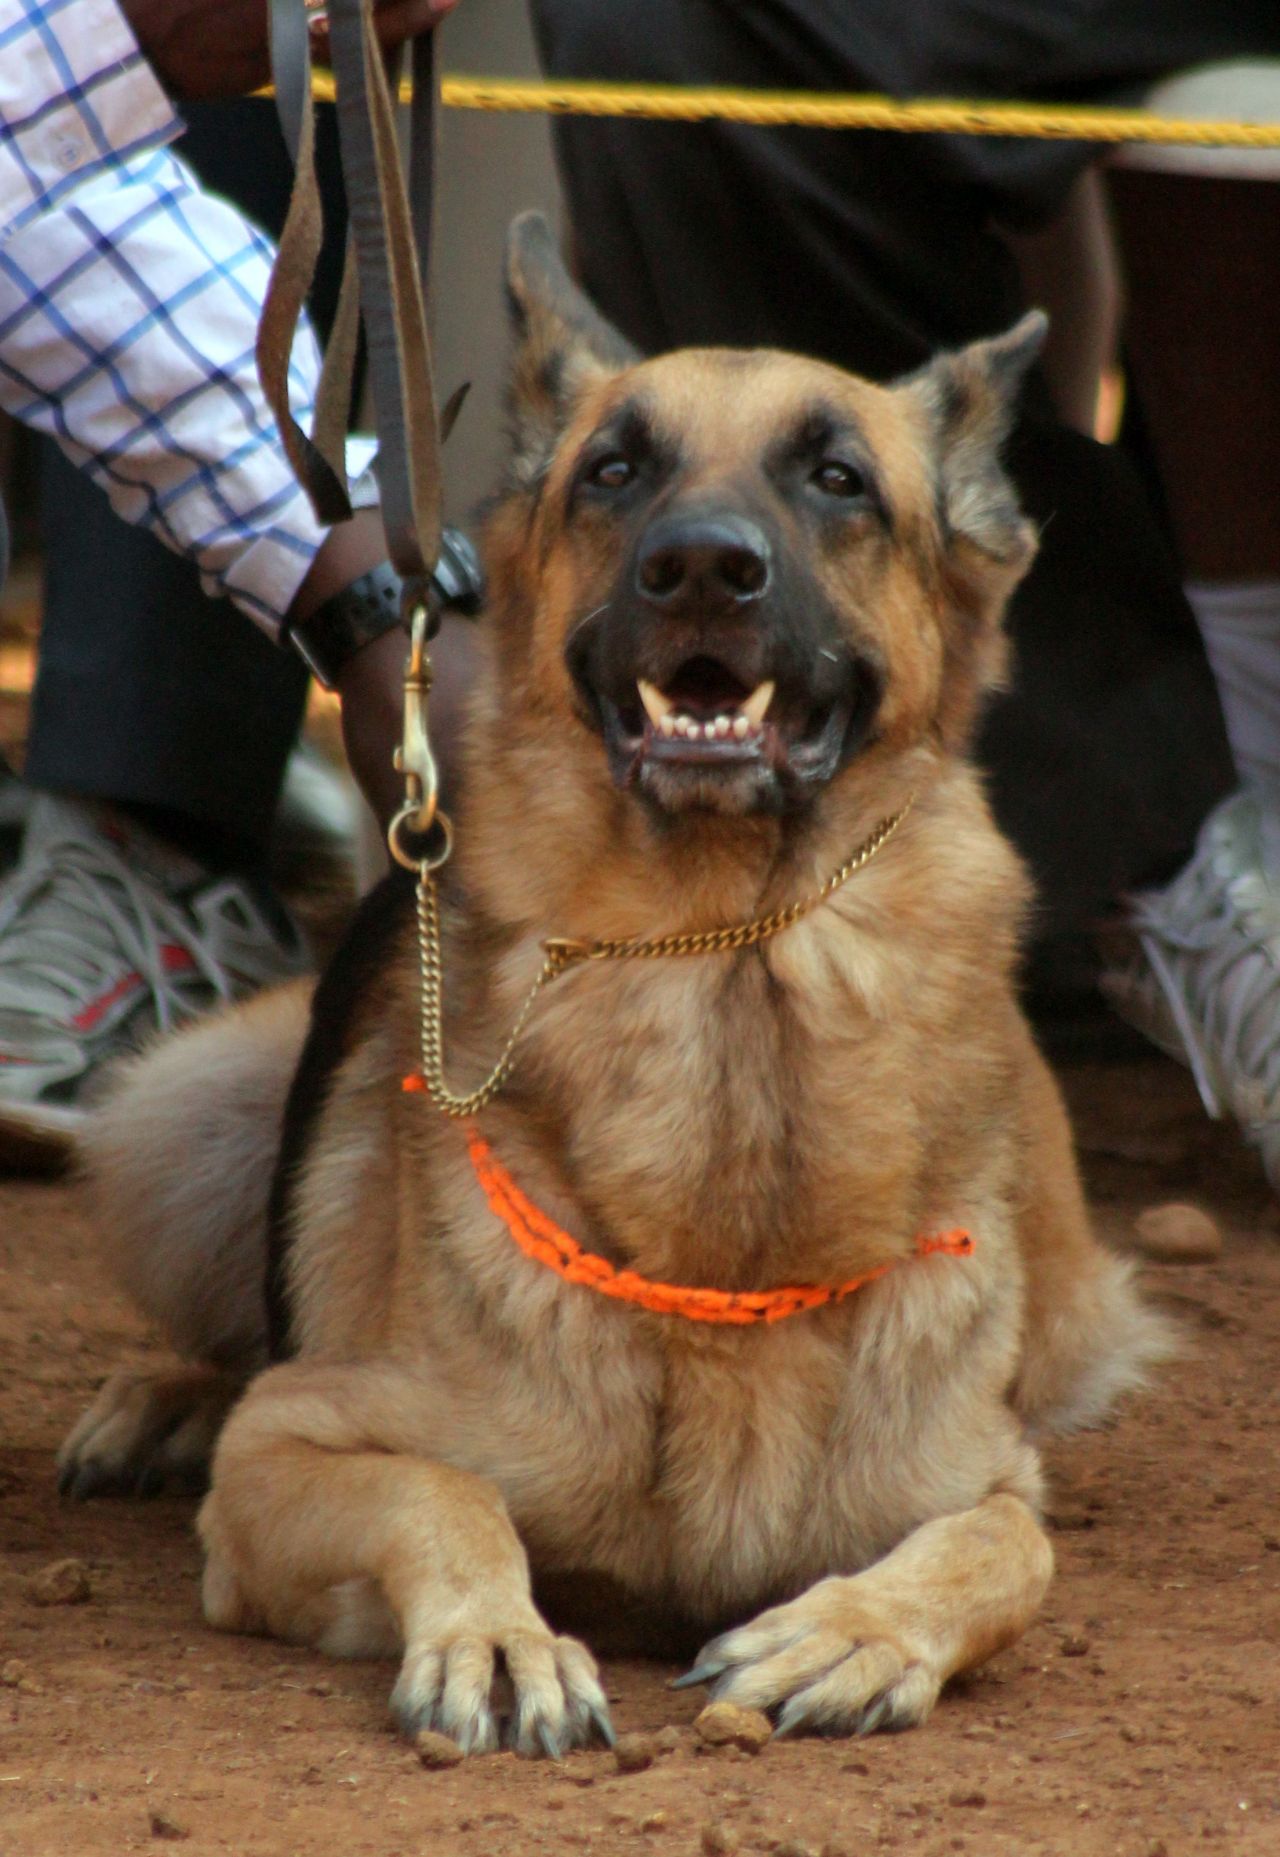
x: 129, y: 304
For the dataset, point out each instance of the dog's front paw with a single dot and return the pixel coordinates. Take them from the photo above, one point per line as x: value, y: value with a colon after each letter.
x: 831, y: 1662
x: 554, y: 1699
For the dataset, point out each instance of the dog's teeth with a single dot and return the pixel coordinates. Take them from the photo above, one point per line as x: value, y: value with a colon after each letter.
x: 741, y: 727
x: 757, y: 703
x: 668, y: 725
x: 722, y: 726
x: 656, y: 705
x: 682, y: 725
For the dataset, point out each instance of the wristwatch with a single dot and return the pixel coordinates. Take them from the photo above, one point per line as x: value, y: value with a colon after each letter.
x: 370, y: 606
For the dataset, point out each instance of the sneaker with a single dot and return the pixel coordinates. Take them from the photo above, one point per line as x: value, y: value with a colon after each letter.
x: 1204, y: 982
x: 108, y: 935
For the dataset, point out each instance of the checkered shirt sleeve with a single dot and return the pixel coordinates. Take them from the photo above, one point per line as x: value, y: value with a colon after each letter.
x: 129, y: 303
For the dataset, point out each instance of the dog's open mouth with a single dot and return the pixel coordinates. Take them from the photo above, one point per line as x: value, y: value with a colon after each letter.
x: 704, y: 719
x: 721, y: 715
x: 704, y: 714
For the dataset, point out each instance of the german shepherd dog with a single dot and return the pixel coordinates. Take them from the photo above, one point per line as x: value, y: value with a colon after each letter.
x: 744, y: 610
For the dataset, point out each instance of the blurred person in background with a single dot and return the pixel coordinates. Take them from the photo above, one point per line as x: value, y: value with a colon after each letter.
x: 873, y: 250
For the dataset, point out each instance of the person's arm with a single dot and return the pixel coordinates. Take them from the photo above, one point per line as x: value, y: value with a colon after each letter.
x: 128, y: 321
x: 76, y: 94
x: 129, y: 301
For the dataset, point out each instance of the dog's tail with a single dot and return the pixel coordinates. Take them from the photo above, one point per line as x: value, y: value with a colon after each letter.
x: 180, y: 1159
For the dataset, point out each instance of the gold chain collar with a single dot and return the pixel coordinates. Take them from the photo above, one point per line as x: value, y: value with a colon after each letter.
x: 420, y: 813
x: 561, y: 954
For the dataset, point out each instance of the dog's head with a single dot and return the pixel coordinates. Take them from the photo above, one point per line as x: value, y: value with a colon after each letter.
x: 736, y: 573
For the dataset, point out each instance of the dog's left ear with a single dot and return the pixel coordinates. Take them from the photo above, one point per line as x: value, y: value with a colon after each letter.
x: 562, y: 344
x: 971, y: 397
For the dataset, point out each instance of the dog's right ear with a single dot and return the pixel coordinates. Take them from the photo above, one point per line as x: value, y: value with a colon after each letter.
x: 562, y: 344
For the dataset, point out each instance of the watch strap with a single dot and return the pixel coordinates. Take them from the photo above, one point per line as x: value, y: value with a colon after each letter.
x: 371, y: 606
x: 350, y: 620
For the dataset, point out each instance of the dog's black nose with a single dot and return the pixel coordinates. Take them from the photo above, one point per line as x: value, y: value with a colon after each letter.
x: 684, y: 559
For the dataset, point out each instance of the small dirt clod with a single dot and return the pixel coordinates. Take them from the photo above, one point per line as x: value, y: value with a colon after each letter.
x: 634, y: 1752
x: 162, y: 1826
x: 437, y: 1750
x: 719, y: 1839
x: 61, y: 1583
x: 1177, y: 1234
x: 724, y: 1724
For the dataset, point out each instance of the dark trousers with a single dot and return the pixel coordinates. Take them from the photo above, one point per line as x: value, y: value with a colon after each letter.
x: 874, y: 250
x: 148, y: 693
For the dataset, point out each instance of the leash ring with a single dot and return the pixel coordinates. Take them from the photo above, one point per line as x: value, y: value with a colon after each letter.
x: 403, y: 832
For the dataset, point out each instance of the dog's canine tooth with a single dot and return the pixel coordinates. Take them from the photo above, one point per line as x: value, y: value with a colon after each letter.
x: 656, y: 705
x: 758, y: 702
x: 668, y: 725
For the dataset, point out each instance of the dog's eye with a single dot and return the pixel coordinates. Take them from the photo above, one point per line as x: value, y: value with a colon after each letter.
x: 613, y: 472
x: 835, y: 478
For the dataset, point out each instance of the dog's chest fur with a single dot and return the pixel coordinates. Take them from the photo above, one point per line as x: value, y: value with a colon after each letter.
x: 721, y: 1124
x: 737, y: 1128
x: 712, y: 1468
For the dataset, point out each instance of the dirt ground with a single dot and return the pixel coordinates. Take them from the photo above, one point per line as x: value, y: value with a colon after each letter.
x: 1139, y: 1718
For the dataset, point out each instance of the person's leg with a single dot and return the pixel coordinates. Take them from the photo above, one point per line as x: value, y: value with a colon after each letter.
x: 148, y: 694
x: 161, y: 724
x: 831, y: 243
x: 1204, y: 350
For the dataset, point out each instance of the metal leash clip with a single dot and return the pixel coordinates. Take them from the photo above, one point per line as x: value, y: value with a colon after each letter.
x: 420, y: 816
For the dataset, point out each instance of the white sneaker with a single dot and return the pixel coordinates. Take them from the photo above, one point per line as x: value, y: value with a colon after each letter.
x: 1204, y: 984
x: 107, y: 935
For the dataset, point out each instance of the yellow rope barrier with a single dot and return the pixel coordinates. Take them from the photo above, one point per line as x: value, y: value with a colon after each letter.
x: 838, y: 110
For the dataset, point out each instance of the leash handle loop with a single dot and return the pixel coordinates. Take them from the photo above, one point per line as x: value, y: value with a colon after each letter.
x: 390, y: 243
x: 317, y: 461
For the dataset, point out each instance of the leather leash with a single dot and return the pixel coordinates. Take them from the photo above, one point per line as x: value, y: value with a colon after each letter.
x: 384, y: 282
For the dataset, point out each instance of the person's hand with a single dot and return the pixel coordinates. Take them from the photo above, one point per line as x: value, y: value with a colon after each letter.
x: 218, y: 48
x: 371, y: 689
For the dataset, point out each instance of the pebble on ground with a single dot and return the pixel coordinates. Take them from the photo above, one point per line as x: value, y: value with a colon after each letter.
x: 1177, y: 1233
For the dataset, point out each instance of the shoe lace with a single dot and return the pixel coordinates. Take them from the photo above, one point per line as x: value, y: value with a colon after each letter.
x: 1225, y: 998
x: 68, y: 920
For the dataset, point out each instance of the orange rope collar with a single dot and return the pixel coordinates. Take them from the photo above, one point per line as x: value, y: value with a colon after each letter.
x: 543, y: 1240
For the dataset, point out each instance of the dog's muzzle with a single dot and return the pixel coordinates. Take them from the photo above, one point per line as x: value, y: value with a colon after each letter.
x: 717, y: 674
